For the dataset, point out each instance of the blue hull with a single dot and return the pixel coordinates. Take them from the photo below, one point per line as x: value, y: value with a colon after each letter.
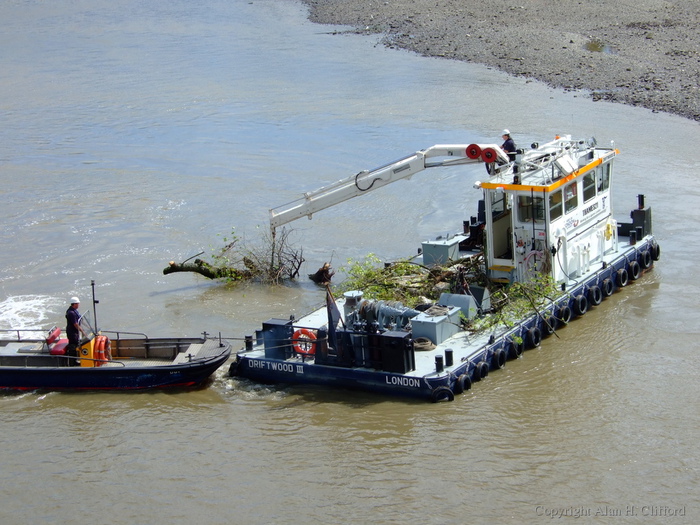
x: 104, y: 378
x: 456, y: 377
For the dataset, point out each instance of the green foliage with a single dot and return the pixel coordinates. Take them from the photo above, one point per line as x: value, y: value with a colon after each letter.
x: 402, y: 281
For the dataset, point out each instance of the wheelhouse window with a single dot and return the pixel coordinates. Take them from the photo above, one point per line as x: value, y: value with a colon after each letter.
x: 571, y: 197
x: 555, y: 207
x: 499, y: 203
x: 530, y: 208
x: 604, y: 177
x: 589, y: 186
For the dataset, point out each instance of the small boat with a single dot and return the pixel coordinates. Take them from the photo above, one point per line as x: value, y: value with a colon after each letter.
x: 106, y: 360
x: 545, y: 213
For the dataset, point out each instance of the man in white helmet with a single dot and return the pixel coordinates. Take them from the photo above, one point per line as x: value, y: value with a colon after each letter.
x: 508, y: 144
x: 73, y: 329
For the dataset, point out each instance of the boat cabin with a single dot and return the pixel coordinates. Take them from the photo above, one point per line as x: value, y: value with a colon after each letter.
x: 549, y: 212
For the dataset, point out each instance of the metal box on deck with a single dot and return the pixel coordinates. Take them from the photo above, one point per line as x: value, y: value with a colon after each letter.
x: 436, y: 327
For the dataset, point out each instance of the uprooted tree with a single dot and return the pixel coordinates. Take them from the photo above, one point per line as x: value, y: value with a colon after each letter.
x: 273, y: 260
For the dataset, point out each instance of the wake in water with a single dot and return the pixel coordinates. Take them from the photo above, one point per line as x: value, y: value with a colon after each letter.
x: 27, y: 311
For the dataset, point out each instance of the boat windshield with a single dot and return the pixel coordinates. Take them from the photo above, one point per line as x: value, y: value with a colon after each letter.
x: 86, y: 324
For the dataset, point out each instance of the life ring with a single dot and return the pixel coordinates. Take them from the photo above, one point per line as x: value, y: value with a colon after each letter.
x: 442, y: 393
x: 580, y: 304
x: 515, y: 350
x: 564, y: 314
x: 534, y: 337
x: 608, y: 287
x: 549, y: 325
x: 463, y: 383
x: 645, y: 259
x: 595, y: 295
x: 98, y: 351
x: 635, y: 270
x: 108, y: 349
x: 499, y: 358
x: 655, y: 251
x: 304, y: 341
x: 621, y: 278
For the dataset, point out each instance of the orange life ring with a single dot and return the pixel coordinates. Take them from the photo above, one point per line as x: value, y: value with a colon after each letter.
x: 102, y: 350
x: 304, y: 341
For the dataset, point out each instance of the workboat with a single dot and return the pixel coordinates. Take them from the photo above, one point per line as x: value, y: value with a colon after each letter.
x: 35, y: 359
x: 544, y: 212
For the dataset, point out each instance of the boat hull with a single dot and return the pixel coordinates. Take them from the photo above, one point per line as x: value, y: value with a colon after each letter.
x: 470, y: 358
x: 128, y: 374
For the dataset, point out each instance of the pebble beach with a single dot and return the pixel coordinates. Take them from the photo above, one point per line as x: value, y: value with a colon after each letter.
x: 644, y: 53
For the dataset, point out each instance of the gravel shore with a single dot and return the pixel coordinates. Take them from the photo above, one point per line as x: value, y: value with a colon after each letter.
x: 644, y: 53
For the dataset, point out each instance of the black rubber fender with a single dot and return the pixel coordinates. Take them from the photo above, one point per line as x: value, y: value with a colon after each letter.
x: 482, y: 370
x: 655, y: 251
x: 463, y: 383
x: 607, y: 287
x: 595, y: 295
x: 499, y: 359
x: 580, y: 304
x: 635, y: 270
x: 233, y: 369
x: 622, y: 278
x: 564, y: 314
x: 533, y: 337
x: 442, y: 393
x: 645, y: 259
x: 515, y: 350
x: 549, y: 325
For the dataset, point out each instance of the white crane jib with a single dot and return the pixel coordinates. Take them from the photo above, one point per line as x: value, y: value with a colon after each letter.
x: 364, y: 181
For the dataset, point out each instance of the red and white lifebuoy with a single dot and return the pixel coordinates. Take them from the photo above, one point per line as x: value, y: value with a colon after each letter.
x: 304, y: 341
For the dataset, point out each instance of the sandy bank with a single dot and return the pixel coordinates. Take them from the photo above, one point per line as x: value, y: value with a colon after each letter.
x: 644, y: 53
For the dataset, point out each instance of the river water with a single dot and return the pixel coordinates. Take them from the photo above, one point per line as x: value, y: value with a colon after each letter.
x: 135, y: 133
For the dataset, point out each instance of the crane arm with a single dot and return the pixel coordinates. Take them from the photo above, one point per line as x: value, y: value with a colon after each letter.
x: 436, y: 156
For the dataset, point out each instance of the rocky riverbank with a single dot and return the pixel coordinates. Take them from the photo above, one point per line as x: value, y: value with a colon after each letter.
x: 644, y: 53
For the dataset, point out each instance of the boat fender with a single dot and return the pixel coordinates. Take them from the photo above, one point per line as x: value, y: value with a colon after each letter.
x: 442, y: 393
x: 499, y: 358
x: 564, y: 314
x: 595, y: 295
x: 655, y: 251
x: 233, y: 369
x: 515, y: 350
x: 463, y: 383
x: 534, y: 337
x: 580, y: 304
x: 621, y: 278
x: 304, y: 341
x: 635, y: 270
x: 608, y: 287
x: 645, y: 259
x: 481, y: 371
x: 549, y: 325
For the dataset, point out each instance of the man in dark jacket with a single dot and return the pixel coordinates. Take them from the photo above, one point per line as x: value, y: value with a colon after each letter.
x: 73, y: 329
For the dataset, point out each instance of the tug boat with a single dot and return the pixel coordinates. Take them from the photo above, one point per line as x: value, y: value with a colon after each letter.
x: 106, y: 360
x: 545, y: 211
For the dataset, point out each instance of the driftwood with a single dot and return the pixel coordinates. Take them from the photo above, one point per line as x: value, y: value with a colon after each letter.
x: 203, y: 268
x: 323, y: 275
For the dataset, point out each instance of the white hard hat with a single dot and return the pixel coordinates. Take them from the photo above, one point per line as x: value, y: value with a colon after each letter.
x: 505, y: 132
x: 74, y: 300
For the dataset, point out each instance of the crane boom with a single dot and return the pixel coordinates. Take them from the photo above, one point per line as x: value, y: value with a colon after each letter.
x: 368, y: 180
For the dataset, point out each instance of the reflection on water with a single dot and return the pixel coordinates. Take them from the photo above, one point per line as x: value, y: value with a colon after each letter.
x: 137, y: 134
